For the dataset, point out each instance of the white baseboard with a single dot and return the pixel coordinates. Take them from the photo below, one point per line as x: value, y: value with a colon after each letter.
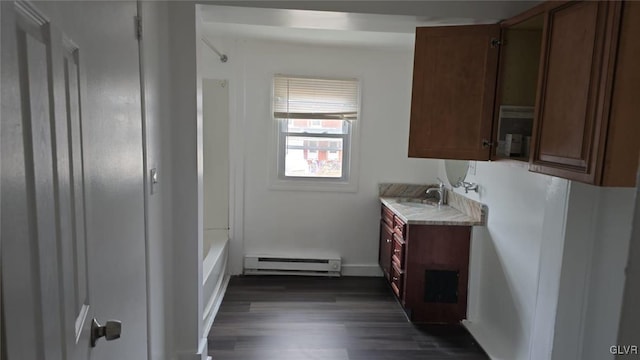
x: 361, y: 270
x: 201, y: 353
x: 203, y: 349
x: 487, y: 340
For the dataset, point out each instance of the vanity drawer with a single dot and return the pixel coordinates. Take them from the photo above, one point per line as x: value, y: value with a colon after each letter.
x: 397, y: 252
x: 399, y: 227
x: 387, y: 216
x: 397, y: 279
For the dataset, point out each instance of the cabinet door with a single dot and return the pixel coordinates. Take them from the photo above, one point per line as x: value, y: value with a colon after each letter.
x: 454, y: 77
x: 623, y: 148
x: 436, y: 273
x: 386, y: 243
x: 572, y: 95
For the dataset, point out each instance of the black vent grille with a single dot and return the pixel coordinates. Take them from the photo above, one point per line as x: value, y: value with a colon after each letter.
x: 441, y: 286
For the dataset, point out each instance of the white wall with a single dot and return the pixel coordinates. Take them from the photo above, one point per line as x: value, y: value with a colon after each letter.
x: 596, y: 248
x: 215, y: 110
x: 547, y: 272
x: 186, y: 182
x: 526, y: 210
x: 215, y: 132
x: 304, y: 222
x: 229, y: 71
x: 3, y: 348
x: 517, y: 259
x: 630, y: 313
x: 465, y: 10
x: 157, y: 89
x: 607, y: 279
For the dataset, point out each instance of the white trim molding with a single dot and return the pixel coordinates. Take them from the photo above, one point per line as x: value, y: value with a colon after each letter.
x: 371, y: 270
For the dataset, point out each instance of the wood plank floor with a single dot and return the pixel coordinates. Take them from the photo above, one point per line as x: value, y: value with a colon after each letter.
x: 350, y: 318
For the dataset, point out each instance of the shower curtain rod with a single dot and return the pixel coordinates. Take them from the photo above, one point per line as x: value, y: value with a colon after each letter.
x: 223, y: 57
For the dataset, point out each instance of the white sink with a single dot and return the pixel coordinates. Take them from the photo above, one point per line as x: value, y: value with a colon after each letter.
x: 417, y: 202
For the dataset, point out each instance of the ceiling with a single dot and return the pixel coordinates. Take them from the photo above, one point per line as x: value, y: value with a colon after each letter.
x: 346, y: 23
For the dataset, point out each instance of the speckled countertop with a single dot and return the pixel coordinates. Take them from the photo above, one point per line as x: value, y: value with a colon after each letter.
x: 424, y: 214
x: 460, y: 210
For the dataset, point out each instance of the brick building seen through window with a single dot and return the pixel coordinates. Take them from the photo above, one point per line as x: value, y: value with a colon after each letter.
x: 314, y: 156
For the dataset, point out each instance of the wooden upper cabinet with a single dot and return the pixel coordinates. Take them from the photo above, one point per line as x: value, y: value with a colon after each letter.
x: 578, y: 61
x: 564, y: 75
x: 518, y: 71
x: 454, y: 79
x: 623, y: 147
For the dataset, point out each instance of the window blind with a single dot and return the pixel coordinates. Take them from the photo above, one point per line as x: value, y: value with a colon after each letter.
x: 312, y: 98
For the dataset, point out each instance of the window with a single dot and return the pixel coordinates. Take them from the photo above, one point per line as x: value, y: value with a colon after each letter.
x: 316, y: 120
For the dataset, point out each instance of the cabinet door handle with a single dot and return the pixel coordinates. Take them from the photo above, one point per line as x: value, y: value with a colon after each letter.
x: 396, y: 251
x: 395, y: 278
x: 486, y: 144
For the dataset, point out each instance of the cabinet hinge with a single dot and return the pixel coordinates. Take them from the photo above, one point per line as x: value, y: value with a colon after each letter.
x: 486, y: 143
x: 495, y: 42
x: 138, y: 24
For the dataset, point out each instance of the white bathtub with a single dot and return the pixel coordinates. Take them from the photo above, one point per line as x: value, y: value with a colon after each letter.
x: 214, y: 273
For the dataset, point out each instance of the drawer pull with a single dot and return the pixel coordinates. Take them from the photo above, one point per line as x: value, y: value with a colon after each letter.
x: 395, y: 278
x: 388, y: 241
x: 396, y: 251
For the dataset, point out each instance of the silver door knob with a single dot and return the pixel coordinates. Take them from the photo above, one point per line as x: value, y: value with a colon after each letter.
x: 110, y: 331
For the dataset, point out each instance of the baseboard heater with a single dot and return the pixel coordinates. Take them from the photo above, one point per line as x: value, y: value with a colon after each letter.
x: 270, y: 265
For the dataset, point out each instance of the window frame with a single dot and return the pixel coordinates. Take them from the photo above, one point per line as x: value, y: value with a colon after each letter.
x: 348, y: 182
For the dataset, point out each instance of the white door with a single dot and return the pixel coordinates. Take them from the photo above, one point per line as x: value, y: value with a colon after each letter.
x: 71, y: 181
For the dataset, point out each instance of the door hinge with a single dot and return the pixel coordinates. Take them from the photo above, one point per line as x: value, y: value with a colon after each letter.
x: 138, y: 21
x: 495, y: 42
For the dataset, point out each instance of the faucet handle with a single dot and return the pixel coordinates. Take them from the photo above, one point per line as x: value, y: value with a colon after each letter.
x: 469, y: 186
x: 441, y: 184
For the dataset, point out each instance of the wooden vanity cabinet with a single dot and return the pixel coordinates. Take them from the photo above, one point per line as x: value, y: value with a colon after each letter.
x: 386, y: 241
x: 428, y: 268
x: 436, y: 273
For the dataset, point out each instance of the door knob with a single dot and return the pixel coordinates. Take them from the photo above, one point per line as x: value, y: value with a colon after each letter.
x: 110, y: 331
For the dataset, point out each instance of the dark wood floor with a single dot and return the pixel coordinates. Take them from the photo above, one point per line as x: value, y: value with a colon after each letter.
x: 300, y: 318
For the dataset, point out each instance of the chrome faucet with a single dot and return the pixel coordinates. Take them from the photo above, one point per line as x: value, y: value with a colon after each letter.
x: 442, y: 193
x: 469, y: 186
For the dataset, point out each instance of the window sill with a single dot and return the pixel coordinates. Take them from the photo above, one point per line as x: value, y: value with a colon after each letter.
x: 313, y: 185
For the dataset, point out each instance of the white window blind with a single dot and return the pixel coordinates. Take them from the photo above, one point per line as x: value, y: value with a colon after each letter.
x: 312, y: 98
